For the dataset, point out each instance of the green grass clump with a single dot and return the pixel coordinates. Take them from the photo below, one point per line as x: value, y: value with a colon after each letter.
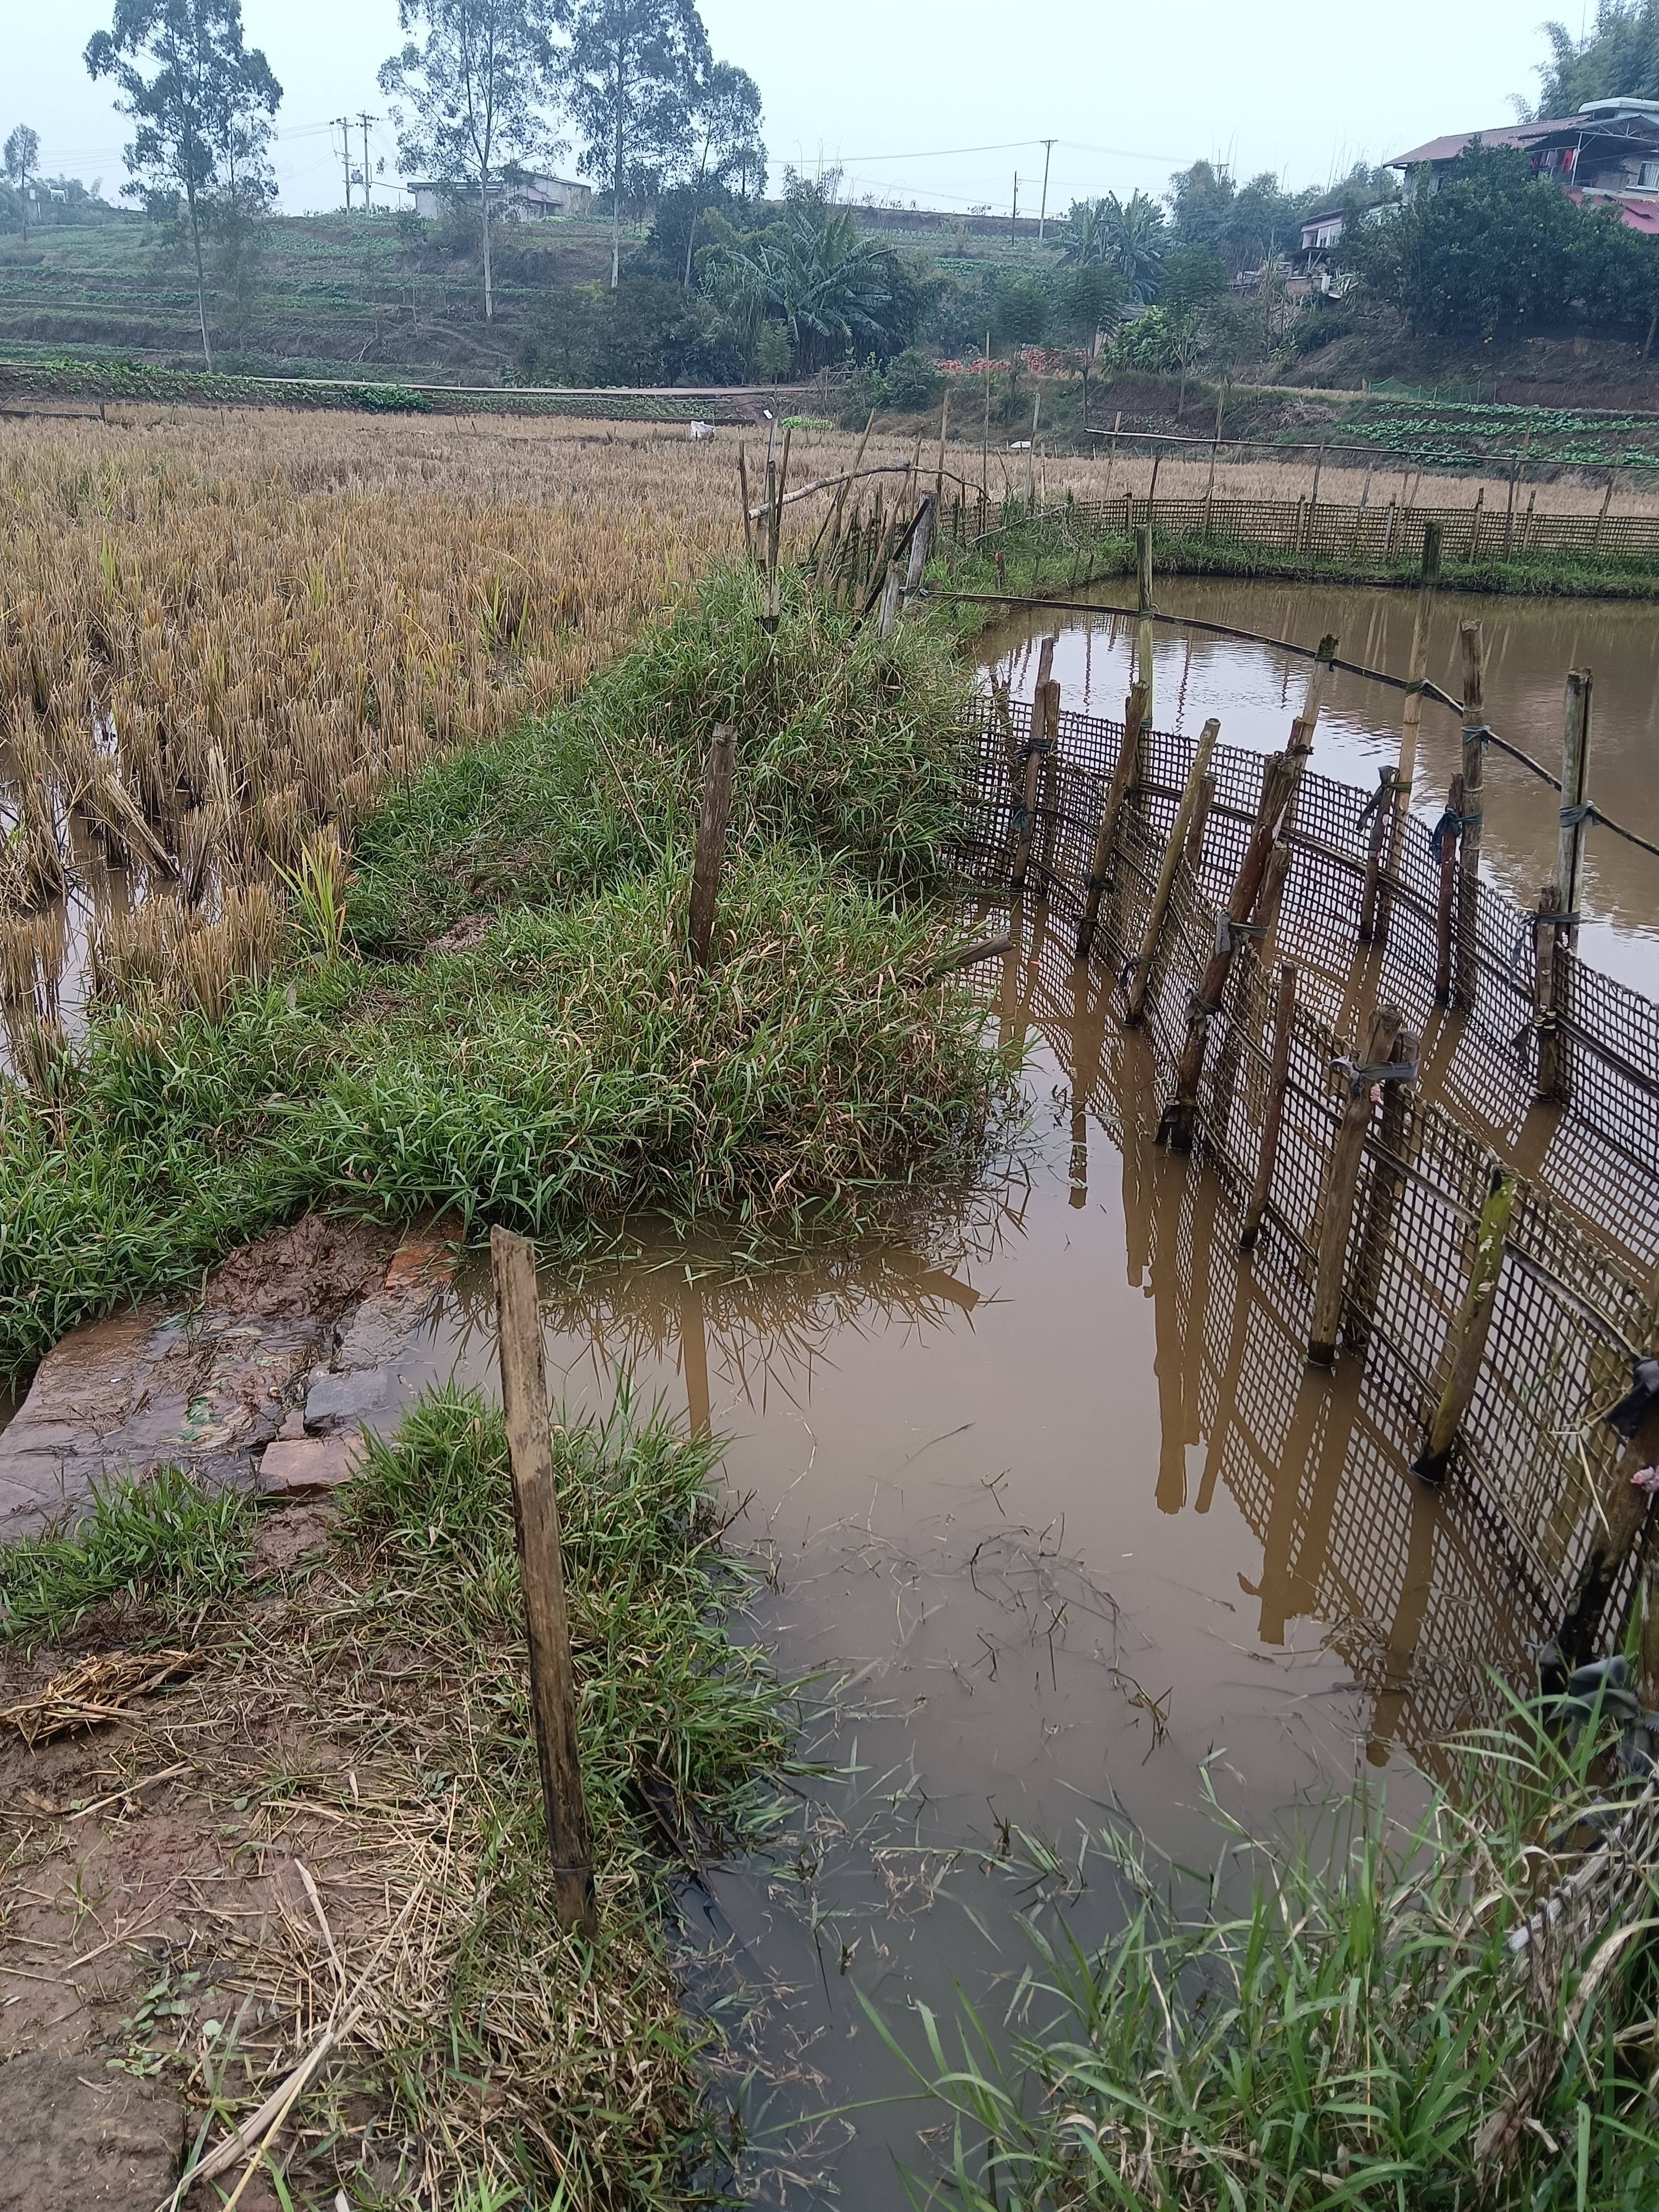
x: 163, y: 1543
x: 527, y: 2060
x: 1345, y: 2039
x: 571, y: 1066
x: 847, y: 747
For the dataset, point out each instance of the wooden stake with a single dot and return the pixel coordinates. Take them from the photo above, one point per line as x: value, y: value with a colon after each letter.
x: 1200, y: 822
x: 1279, y: 1084
x: 1174, y: 849
x: 1442, y: 921
x: 1277, y: 782
x: 1342, y: 1183
x: 1547, y: 1082
x: 1125, y: 773
x: 742, y: 485
x: 1466, y: 1345
x: 1467, y: 978
x: 1038, y: 747
x: 1144, y: 576
x: 541, y: 1568
x: 1575, y: 781
x: 711, y: 841
x: 1373, y: 909
x: 943, y: 426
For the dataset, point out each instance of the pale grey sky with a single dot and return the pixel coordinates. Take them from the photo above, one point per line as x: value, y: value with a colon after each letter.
x: 925, y: 101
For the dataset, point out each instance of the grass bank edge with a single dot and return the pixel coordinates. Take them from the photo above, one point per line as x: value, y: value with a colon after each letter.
x: 524, y: 2062
x: 568, y: 1066
x: 1364, y: 2033
x: 1040, y: 557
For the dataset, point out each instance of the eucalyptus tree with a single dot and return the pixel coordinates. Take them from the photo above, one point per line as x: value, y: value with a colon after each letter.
x: 629, y: 82
x: 724, y: 112
x: 203, y: 115
x: 468, y: 92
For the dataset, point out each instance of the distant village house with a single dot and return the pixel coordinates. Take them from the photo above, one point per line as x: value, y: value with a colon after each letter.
x: 1608, y: 152
x: 523, y: 199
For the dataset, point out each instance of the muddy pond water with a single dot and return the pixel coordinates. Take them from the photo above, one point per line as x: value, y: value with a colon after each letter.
x: 1531, y: 644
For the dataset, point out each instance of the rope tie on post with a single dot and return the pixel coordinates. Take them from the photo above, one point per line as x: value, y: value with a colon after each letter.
x: 1035, y: 747
x: 1530, y: 921
x: 1384, y: 786
x: 1199, y: 1013
x: 1572, y: 817
x: 1135, y: 960
x: 1450, y: 821
x: 1362, y: 1074
x: 1228, y: 932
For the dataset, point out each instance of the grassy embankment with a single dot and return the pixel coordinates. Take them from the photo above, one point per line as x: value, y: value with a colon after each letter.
x: 492, y: 2062
x: 1360, y: 2037
x: 568, y: 1067
x: 1053, y: 555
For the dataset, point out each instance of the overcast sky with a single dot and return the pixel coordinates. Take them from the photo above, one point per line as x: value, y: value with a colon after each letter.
x: 925, y: 101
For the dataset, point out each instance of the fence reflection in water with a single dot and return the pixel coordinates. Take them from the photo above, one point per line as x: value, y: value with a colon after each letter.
x: 1573, y: 1303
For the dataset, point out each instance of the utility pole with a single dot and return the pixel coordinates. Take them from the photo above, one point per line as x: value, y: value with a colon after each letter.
x: 366, y: 120
x: 1013, y: 220
x: 344, y: 122
x: 1048, y: 145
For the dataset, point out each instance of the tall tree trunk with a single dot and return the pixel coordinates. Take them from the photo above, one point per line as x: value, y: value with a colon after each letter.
x: 201, y: 281
x: 616, y: 193
x: 690, y: 241
x: 490, y: 290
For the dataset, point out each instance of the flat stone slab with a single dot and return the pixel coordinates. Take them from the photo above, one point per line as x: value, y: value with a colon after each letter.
x: 301, y: 1467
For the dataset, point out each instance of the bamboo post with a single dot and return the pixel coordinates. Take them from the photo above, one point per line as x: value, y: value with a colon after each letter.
x: 1373, y: 909
x: 1174, y: 849
x: 1341, y: 1185
x: 851, y: 478
x: 541, y: 1569
x: 1143, y: 591
x: 1468, y: 842
x: 1575, y: 781
x: 921, y: 540
x: 1031, y: 453
x: 1050, y: 810
x: 711, y: 841
x: 1442, y: 919
x: 1111, y: 455
x: 1466, y: 1344
x: 1547, y: 1082
x: 943, y: 429
x: 1606, y: 502
x: 1200, y: 822
x: 1279, y: 1084
x: 1037, y: 748
x: 1124, y: 773
x: 743, y: 486
x: 1278, y: 783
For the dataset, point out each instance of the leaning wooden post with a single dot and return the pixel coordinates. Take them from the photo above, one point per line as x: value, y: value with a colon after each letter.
x: 1384, y: 860
x: 1199, y: 826
x: 922, y: 541
x: 1574, y: 808
x: 1446, y: 844
x: 711, y: 841
x: 1468, y: 844
x: 541, y: 1569
x: 1174, y: 851
x: 1466, y: 1345
x: 1124, y: 774
x: 1279, y: 1084
x: 1144, y: 572
x: 1342, y: 1183
x: 1547, y: 1082
x: 1238, y: 922
x: 743, y: 486
x: 1035, y: 752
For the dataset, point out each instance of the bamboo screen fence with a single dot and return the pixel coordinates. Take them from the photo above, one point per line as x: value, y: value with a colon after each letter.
x: 1573, y: 1304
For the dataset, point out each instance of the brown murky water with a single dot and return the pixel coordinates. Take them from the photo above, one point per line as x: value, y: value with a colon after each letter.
x: 1052, y: 1511
x: 1531, y: 644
